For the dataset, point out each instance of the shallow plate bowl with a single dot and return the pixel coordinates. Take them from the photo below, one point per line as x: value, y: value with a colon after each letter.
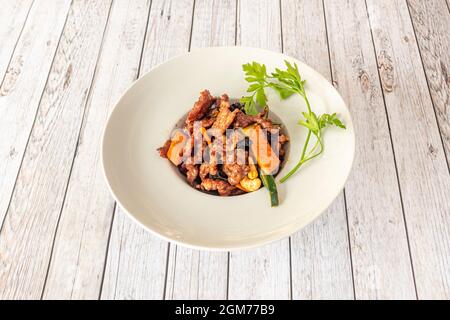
x: 150, y: 189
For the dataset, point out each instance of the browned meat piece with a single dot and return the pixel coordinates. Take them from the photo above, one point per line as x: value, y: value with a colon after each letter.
x: 199, y: 143
x: 235, y: 172
x: 200, y: 108
x: 243, y: 120
x: 213, y: 169
x: 210, y: 118
x: 265, y: 123
x: 207, y: 169
x: 163, y: 150
x: 204, y: 170
x: 213, y: 112
x: 208, y: 122
x: 282, y: 138
x: 237, y: 192
x: 200, y: 151
x: 233, y: 138
x: 188, y: 148
x: 216, y: 153
x: 222, y: 187
x: 192, y: 172
x: 225, y: 117
x: 231, y: 146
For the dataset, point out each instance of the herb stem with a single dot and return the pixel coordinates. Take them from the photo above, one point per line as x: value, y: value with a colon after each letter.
x: 298, y: 165
x: 307, y: 102
x: 315, y: 146
x: 305, y: 145
x: 315, y: 155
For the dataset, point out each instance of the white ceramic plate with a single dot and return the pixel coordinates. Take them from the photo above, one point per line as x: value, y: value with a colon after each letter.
x: 150, y: 189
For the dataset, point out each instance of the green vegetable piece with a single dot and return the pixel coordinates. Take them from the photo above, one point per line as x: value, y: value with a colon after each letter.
x: 269, y: 182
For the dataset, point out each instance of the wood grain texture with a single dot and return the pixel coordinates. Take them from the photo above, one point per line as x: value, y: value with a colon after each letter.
x: 262, y: 273
x: 214, y: 23
x: 431, y: 23
x: 19, y: 97
x: 381, y: 262
x: 259, y: 24
x: 81, y: 241
x: 422, y: 169
x: 12, y: 20
x: 27, y: 235
x: 136, y: 264
x: 194, y: 274
x: 321, y: 263
x: 137, y: 261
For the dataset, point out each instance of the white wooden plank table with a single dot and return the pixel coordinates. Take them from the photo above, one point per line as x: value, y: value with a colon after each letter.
x: 63, y: 64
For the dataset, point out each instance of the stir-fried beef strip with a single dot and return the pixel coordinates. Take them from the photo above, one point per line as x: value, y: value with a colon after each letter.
x: 234, y: 145
x: 188, y: 148
x: 204, y: 170
x: 191, y: 173
x: 221, y: 186
x: 210, y: 117
x: 213, y: 169
x: 236, y: 192
x: 217, y: 113
x: 208, y: 170
x: 215, y: 155
x: 208, y: 122
x: 225, y: 117
x: 282, y: 139
x: 200, y: 108
x: 243, y: 120
x: 235, y: 172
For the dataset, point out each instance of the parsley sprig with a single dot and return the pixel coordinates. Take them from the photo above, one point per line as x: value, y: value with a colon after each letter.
x: 256, y: 75
x: 286, y: 83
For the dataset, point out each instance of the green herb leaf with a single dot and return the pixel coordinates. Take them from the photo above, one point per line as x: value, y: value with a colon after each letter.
x: 251, y: 79
x: 311, y: 122
x: 249, y: 105
x: 261, y: 97
x: 253, y: 87
x: 283, y: 91
x: 255, y: 72
x: 330, y: 119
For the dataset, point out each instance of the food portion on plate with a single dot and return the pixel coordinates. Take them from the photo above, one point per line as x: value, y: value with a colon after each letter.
x: 233, y: 147
x: 222, y: 150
